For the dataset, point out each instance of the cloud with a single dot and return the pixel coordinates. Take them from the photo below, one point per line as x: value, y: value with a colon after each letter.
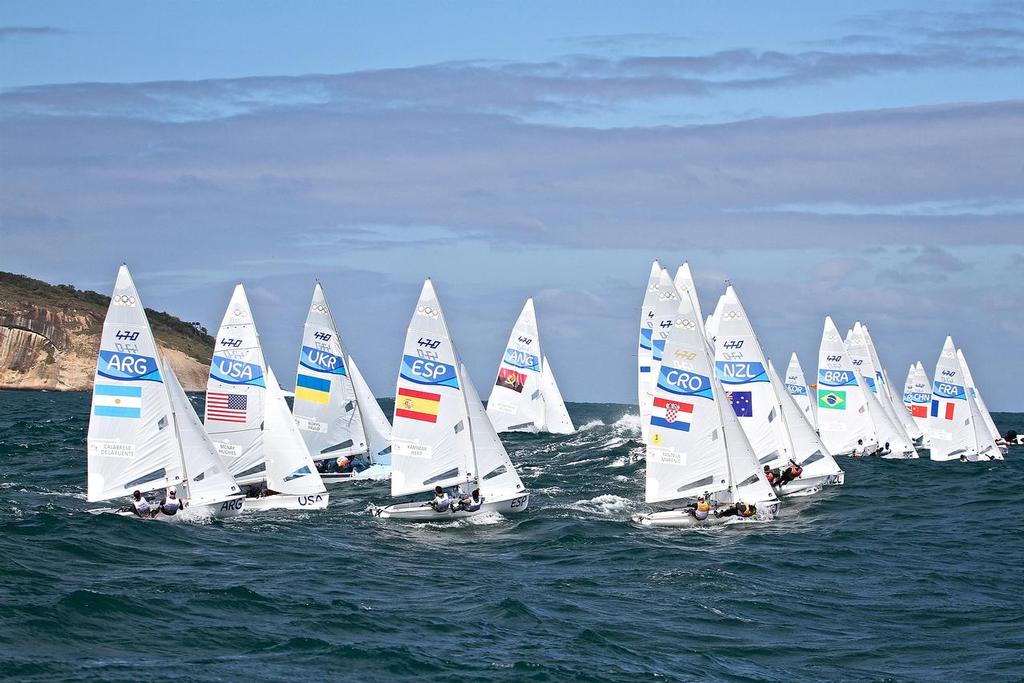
x: 15, y: 32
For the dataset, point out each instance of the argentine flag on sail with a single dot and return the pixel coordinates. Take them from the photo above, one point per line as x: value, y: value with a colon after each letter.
x: 111, y: 400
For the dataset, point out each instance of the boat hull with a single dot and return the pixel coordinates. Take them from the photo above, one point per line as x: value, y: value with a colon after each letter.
x: 219, y: 509
x: 802, y: 484
x: 372, y: 473
x: 422, y: 512
x: 682, y: 519
x: 285, y: 501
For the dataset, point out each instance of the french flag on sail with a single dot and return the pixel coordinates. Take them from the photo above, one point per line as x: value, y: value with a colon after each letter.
x: 668, y: 413
x: 948, y: 410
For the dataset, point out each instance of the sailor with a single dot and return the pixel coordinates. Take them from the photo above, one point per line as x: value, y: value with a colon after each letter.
x: 170, y: 504
x: 858, y: 452
x: 738, y: 509
x: 442, y: 502
x: 699, y: 510
x: 470, y: 503
x: 344, y: 465
x: 885, y: 450
x: 769, y: 475
x: 140, y: 506
x: 790, y: 473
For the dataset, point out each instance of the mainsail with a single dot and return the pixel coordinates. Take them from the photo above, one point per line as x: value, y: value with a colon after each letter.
x: 495, y: 475
x: 808, y: 449
x: 950, y: 422
x: 695, y: 445
x: 743, y: 371
x: 525, y: 395
x: 326, y: 407
x: 235, y: 392
x: 843, y: 417
x: 796, y: 385
x: 431, y: 438
x: 375, y: 422
x: 131, y: 442
x: 917, y: 397
x: 654, y: 330
x: 887, y: 427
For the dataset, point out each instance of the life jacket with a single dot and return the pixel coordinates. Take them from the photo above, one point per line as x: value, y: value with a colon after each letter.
x: 141, y: 505
x: 797, y: 471
x: 747, y: 510
x: 703, y: 506
x: 770, y: 476
x: 170, y: 506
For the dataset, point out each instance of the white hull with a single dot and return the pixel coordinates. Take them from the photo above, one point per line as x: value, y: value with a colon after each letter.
x: 422, y: 512
x: 283, y: 501
x: 901, y: 456
x: 372, y: 473
x: 809, y: 483
x: 682, y: 519
x: 221, y: 509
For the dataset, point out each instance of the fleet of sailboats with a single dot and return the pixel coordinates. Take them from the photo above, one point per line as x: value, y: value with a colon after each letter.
x: 725, y: 437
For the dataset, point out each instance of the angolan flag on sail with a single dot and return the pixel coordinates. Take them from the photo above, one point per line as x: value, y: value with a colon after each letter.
x: 510, y: 379
x: 226, y: 407
x: 667, y: 414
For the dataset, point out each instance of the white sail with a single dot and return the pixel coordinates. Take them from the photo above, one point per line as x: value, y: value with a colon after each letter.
x: 893, y: 408
x: 685, y: 286
x: 208, y: 478
x: 743, y: 371
x: 556, y: 416
x: 910, y: 425
x: 843, y: 417
x: 654, y: 331
x: 375, y: 422
x: 516, y: 403
x: 808, y: 449
x: 495, y: 475
x: 986, y: 418
x: 235, y: 392
x: 888, y: 429
x: 796, y: 385
x: 326, y: 408
x: 950, y: 424
x: 695, y: 444
x: 430, y: 439
x: 686, y: 447
x: 290, y: 468
x: 917, y: 398
x: 131, y: 442
x: 659, y: 306
x: 711, y: 324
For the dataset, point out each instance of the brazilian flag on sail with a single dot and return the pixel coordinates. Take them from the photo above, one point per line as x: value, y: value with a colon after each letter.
x: 831, y: 399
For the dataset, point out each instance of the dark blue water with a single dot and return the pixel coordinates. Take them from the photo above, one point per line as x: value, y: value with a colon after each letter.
x: 912, y: 571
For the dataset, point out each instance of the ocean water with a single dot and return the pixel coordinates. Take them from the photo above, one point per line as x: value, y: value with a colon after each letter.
x: 910, y: 572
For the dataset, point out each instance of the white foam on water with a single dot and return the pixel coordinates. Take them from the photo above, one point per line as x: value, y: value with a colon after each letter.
x: 606, y: 504
x: 590, y: 425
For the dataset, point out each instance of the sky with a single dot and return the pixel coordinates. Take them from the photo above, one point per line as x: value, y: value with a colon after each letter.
x: 864, y: 161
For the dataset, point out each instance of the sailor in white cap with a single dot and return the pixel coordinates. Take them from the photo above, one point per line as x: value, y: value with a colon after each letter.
x: 170, y: 504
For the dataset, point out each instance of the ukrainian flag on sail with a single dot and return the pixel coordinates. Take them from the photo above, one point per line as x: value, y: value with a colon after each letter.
x: 313, y: 389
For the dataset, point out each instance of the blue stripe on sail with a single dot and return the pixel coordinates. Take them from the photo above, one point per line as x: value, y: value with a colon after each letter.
x: 114, y: 390
x: 645, y: 368
x: 116, y: 411
x: 314, y: 383
x: 677, y: 425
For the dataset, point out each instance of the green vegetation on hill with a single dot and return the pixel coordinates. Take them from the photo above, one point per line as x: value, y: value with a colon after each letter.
x: 18, y: 292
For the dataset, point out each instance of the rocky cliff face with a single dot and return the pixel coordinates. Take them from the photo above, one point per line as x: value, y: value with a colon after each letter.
x: 50, y: 337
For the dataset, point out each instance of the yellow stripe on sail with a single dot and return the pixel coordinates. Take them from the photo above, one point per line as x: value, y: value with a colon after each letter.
x: 312, y: 395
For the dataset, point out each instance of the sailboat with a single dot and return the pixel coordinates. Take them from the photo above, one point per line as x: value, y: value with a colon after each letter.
x: 525, y: 396
x: 236, y: 392
x: 954, y: 421
x: 334, y: 408
x: 761, y: 402
x: 843, y: 418
x: 292, y: 481
x: 695, y: 445
x: 797, y: 387
x: 917, y: 398
x: 894, y: 441
x: 659, y: 308
x: 986, y: 417
x: 144, y: 433
x: 442, y: 435
x: 883, y: 389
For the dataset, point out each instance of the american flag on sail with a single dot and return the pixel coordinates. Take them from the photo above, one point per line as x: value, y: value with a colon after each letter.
x: 226, y: 407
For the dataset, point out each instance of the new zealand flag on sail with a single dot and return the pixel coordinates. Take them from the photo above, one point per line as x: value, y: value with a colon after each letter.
x: 742, y: 403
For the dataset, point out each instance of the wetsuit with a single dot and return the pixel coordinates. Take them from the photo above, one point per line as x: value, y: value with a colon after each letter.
x: 790, y: 473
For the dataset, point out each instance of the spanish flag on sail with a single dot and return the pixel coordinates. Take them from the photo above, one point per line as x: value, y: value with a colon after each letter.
x: 417, y: 405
